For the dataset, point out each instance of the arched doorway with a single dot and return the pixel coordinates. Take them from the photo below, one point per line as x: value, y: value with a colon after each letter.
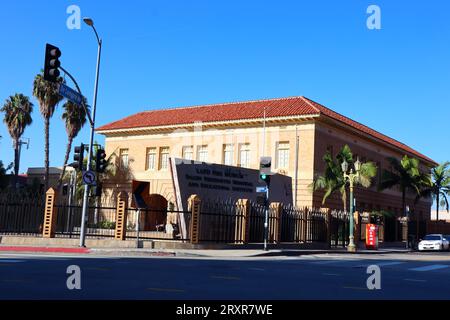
x: 157, y: 213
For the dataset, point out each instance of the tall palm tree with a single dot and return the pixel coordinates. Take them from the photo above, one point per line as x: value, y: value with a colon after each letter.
x: 333, y: 180
x: 17, y: 116
x: 48, y: 97
x: 438, y: 186
x: 405, y: 175
x: 74, y: 117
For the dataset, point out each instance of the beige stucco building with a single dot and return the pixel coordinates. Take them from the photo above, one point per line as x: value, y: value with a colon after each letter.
x: 296, y: 132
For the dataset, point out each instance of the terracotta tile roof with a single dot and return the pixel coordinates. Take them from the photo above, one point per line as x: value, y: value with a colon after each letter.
x: 247, y: 110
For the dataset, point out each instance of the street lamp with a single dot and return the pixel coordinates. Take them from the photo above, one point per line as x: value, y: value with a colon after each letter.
x: 351, y: 177
x: 90, y: 23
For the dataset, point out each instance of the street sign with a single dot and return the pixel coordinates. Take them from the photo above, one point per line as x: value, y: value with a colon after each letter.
x: 89, y: 178
x: 70, y: 94
x: 261, y: 189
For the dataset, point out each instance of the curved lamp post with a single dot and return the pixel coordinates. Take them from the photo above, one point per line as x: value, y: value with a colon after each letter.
x: 90, y: 23
x: 351, y: 177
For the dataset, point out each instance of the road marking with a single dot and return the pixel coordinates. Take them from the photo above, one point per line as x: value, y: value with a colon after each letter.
x: 166, y: 290
x: 355, y: 288
x: 430, y: 267
x: 96, y: 269
x: 415, y: 280
x: 225, y: 277
x: 382, y: 264
x: 330, y: 261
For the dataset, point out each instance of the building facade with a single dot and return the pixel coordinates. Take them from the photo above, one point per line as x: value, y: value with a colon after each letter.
x: 296, y: 132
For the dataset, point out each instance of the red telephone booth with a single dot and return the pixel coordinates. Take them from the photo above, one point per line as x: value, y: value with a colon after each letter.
x: 372, y: 236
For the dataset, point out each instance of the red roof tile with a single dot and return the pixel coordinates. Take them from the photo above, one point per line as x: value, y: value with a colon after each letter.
x: 247, y: 110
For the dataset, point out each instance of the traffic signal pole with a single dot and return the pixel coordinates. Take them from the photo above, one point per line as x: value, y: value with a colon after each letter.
x: 91, y: 144
x: 266, y: 220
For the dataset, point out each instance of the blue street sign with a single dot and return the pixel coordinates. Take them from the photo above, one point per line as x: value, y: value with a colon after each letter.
x: 261, y: 189
x: 89, y: 178
x: 70, y: 94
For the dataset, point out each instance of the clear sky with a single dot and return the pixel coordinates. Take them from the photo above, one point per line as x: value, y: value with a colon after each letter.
x: 161, y: 54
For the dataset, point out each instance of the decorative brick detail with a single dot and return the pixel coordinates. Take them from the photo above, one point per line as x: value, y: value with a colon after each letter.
x: 49, y: 214
x: 194, y: 207
x: 121, y: 217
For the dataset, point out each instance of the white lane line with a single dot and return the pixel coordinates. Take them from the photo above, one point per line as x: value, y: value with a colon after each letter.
x: 11, y: 261
x: 415, y: 280
x: 430, y: 267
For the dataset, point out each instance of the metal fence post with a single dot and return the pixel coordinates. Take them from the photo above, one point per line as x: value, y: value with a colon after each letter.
x: 121, y: 218
x: 194, y: 206
x: 49, y: 214
x: 305, y: 225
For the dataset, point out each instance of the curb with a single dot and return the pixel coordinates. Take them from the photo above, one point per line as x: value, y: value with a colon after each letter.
x: 44, y: 249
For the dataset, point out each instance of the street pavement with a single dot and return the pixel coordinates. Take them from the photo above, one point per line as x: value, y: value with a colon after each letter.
x: 318, y: 276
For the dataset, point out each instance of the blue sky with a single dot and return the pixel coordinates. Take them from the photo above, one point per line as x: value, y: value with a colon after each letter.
x: 161, y: 54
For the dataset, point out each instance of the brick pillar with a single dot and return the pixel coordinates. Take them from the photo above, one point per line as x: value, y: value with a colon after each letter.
x: 328, y: 221
x: 305, y: 225
x: 49, y: 214
x: 194, y: 207
x: 121, y: 217
x: 357, y: 231
x: 276, y: 208
x: 242, y: 231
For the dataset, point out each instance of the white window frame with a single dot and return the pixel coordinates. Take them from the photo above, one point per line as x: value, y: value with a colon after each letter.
x: 191, y: 152
x: 244, y: 163
x: 283, y: 146
x: 228, y: 149
x: 124, y: 153
x: 201, y: 152
x: 164, y: 163
x: 154, y: 152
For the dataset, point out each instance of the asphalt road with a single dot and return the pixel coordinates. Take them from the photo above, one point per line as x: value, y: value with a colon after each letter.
x: 403, y: 276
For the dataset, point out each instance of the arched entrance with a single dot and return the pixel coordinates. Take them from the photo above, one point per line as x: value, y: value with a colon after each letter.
x: 157, y: 213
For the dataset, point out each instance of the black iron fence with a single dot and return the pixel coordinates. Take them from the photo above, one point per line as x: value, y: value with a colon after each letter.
x: 100, y: 220
x: 21, y: 214
x: 219, y: 221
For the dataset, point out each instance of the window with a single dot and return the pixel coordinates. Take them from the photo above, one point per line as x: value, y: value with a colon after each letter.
x: 151, y: 158
x: 124, y: 158
x: 202, y: 153
x: 244, y: 155
x: 283, y: 155
x: 164, y: 158
x: 228, y: 154
x: 188, y: 153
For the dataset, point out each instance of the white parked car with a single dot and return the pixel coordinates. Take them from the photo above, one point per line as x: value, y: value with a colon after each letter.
x: 434, y: 242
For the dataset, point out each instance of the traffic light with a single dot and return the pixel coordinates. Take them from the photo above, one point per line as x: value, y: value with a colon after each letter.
x: 265, y: 165
x: 52, y: 54
x: 100, y: 161
x: 78, y: 157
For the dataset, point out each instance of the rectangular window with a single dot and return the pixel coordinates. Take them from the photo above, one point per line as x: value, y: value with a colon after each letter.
x: 244, y: 155
x: 164, y: 158
x: 124, y: 158
x: 228, y: 154
x: 188, y: 153
x: 283, y: 155
x: 151, y: 158
x: 202, y: 153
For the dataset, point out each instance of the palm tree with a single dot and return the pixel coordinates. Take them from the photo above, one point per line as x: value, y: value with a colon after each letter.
x: 405, y: 175
x: 17, y: 110
x: 333, y: 180
x: 48, y: 97
x: 438, y: 186
x: 74, y: 117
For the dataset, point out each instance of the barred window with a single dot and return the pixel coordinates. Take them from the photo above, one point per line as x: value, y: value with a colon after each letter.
x: 283, y: 155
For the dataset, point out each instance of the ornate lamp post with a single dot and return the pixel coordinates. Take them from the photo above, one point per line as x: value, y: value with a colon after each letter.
x: 351, y: 177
